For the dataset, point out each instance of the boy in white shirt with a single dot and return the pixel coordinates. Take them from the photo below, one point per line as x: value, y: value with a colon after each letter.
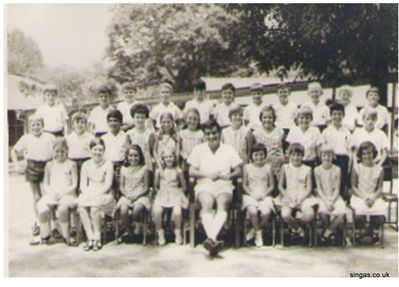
x: 373, y: 98
x: 165, y: 105
x: 338, y: 137
x: 221, y: 111
x: 351, y: 114
x: 204, y: 106
x: 54, y: 116
x: 321, y: 113
x: 285, y: 109
x: 37, y: 149
x: 252, y: 111
x: 98, y: 116
x: 129, y: 92
x: 116, y: 143
x: 79, y: 140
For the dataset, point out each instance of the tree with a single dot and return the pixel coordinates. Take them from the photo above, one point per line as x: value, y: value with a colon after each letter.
x: 336, y: 43
x: 150, y: 43
x: 23, y: 54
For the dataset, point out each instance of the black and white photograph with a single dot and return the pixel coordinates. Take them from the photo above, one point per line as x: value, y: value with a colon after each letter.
x: 201, y: 140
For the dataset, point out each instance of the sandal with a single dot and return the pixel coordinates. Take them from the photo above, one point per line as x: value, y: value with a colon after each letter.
x: 97, y: 245
x: 88, y: 246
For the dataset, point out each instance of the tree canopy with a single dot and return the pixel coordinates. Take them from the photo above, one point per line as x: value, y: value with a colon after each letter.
x: 23, y: 54
x: 176, y: 42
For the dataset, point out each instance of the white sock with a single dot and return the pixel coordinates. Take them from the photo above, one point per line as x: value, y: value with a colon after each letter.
x: 220, y: 219
x: 207, y: 222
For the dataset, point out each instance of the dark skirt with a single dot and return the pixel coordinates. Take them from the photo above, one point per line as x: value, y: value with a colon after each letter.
x: 34, y: 171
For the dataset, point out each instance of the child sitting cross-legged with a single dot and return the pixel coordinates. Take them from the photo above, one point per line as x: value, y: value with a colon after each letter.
x: 258, y: 185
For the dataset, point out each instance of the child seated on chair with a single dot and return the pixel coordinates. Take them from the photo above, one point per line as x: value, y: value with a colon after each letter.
x: 332, y: 207
x: 59, y: 186
x: 295, y: 186
x: 258, y: 184
x: 96, y: 198
x: 134, y: 183
x: 169, y: 187
x: 367, y: 184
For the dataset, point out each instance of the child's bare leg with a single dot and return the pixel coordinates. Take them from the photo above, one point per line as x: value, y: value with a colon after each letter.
x: 307, y: 215
x: 36, y: 194
x: 325, y: 220
x: 286, y: 214
x: 138, y: 208
x: 157, y: 212
x: 124, y: 211
x: 44, y: 216
x: 265, y: 218
x: 253, y: 216
x: 337, y: 222
x: 86, y: 222
x: 63, y: 213
x: 95, y: 214
x: 177, y: 216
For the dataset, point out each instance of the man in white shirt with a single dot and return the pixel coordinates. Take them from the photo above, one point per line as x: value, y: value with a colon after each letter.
x: 214, y: 165
x: 204, y: 106
x: 165, y: 105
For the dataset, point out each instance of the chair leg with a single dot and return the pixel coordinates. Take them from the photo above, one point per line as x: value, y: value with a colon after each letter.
x: 382, y: 235
x: 274, y: 231
x: 237, y: 224
x: 144, y: 220
x: 117, y: 226
x: 192, y: 226
x: 282, y: 231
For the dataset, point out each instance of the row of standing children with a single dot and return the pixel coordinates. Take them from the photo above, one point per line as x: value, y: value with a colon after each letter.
x: 266, y: 125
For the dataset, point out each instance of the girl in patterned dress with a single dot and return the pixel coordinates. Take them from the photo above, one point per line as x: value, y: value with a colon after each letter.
x: 258, y: 184
x: 134, y: 183
x: 272, y: 138
x: 191, y: 136
x: 367, y: 183
x: 96, y: 195
x: 164, y: 139
x: 332, y: 207
x: 169, y: 187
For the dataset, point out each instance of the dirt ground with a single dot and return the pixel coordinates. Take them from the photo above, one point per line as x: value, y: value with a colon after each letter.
x: 180, y: 261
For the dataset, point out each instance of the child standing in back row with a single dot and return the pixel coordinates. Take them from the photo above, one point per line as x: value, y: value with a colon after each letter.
x: 200, y: 102
x: 98, y: 116
x: 252, y: 111
x: 351, y: 114
x: 285, y: 109
x: 373, y: 98
x: 221, y: 111
x: 320, y: 111
x: 129, y: 92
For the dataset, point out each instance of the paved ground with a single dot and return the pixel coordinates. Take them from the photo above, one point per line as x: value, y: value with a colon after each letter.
x: 181, y: 261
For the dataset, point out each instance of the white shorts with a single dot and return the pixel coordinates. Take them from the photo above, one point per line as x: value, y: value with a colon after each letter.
x: 214, y: 188
x: 339, y: 207
x: 264, y: 206
x: 359, y: 205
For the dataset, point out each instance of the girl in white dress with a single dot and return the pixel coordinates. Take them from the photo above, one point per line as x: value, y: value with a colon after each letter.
x: 367, y: 183
x: 96, y: 196
x: 59, y: 186
x: 258, y: 184
x: 134, y: 183
x: 169, y: 186
x: 332, y: 207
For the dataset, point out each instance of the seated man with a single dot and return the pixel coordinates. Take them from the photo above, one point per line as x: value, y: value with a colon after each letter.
x: 214, y: 165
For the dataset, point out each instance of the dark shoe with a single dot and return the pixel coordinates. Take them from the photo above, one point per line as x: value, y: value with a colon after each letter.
x: 56, y: 234
x: 208, y: 245
x: 35, y: 230
x: 97, y: 245
x: 88, y: 246
x: 72, y: 242
x: 218, y: 246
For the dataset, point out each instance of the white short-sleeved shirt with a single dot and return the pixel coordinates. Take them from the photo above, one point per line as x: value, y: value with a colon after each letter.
x: 54, y: 117
x: 376, y: 136
x: 321, y: 113
x: 79, y: 145
x: 205, y: 108
x: 160, y: 109
x: 98, y: 117
x: 251, y: 114
x: 382, y: 116
x: 338, y: 139
x: 310, y: 139
x: 124, y: 108
x: 221, y: 113
x: 222, y: 161
x: 36, y: 148
x: 285, y: 115
x: 351, y: 117
x: 236, y: 139
x: 115, y: 146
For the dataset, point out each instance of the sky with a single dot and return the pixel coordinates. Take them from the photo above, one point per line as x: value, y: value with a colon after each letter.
x: 67, y: 34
